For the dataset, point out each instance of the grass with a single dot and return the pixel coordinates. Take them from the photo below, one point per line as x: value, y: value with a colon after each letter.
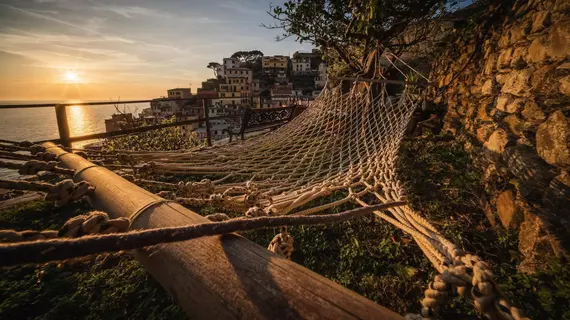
x: 368, y: 256
x: 101, y: 287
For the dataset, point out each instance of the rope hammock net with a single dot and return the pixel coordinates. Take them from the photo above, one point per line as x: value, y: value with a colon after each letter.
x: 345, y: 143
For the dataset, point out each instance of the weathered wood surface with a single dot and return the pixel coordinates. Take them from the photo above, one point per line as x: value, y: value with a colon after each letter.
x: 62, y: 125
x: 221, y: 277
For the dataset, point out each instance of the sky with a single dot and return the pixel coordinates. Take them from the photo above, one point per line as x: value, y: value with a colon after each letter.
x: 127, y: 49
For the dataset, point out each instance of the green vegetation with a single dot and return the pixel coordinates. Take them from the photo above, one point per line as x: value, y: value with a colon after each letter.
x: 101, y: 287
x: 368, y: 256
x: 351, y: 34
x: 173, y: 138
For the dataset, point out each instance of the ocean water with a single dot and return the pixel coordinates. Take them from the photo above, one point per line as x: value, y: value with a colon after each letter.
x: 35, y: 124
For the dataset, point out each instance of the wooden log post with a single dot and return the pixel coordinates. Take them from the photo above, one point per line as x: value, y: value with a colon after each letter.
x: 62, y: 125
x: 208, y: 124
x: 219, y: 277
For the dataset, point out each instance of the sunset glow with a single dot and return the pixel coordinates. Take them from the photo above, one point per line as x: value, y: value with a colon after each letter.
x: 134, y: 49
x: 71, y: 77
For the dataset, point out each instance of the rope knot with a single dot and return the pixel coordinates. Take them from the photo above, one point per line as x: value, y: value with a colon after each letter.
x: 167, y: 195
x: 67, y: 190
x: 126, y: 158
x: 146, y: 168
x: 190, y: 188
x: 217, y: 197
x: 282, y: 244
x: 93, y: 223
x: 255, y: 212
x: 45, y: 156
x: 35, y: 148
x: 34, y: 166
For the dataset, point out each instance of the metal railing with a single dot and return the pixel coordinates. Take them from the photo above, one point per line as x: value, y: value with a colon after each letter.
x: 63, y: 126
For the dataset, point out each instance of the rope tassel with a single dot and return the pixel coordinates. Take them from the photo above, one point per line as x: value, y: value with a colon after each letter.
x: 62, y: 249
x: 282, y: 244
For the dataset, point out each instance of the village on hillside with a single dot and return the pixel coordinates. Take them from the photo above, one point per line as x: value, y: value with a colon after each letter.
x: 247, y: 79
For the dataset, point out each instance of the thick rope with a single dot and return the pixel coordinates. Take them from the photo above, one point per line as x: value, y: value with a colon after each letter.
x: 62, y: 249
x: 96, y: 222
x: 32, y: 167
x: 62, y: 192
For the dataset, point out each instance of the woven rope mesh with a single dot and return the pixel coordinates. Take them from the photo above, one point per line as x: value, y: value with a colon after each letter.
x: 341, y: 141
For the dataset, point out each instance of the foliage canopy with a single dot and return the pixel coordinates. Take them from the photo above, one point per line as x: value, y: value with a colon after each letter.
x: 352, y: 32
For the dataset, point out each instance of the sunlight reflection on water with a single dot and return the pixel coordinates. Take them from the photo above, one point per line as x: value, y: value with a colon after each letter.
x: 40, y: 124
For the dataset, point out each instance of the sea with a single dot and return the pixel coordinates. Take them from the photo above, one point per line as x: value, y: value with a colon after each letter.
x: 33, y: 124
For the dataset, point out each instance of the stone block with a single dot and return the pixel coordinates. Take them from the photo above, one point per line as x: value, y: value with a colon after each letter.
x: 482, y: 114
x: 552, y: 139
x: 504, y: 40
x: 544, y: 81
x: 537, y: 50
x: 519, y: 32
x: 508, y: 105
x: 559, y: 47
x: 517, y: 82
x: 484, y: 132
x: 490, y: 63
x: 565, y: 85
x: 515, y: 124
x: 497, y: 141
x: 504, y: 60
x: 519, y: 57
x: 488, y: 88
x: 528, y: 234
x: 541, y: 20
x: 508, y: 211
x: 533, y: 113
x: 532, y: 173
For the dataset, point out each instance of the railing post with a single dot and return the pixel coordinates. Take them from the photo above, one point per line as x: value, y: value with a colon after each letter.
x: 62, y: 125
x: 208, y: 125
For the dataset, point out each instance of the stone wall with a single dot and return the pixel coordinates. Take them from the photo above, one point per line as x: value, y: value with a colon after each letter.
x: 507, y: 94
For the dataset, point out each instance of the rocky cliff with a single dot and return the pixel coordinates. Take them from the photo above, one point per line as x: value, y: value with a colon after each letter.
x: 506, y: 89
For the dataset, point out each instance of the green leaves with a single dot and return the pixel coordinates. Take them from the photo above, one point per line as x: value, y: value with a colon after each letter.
x: 172, y: 138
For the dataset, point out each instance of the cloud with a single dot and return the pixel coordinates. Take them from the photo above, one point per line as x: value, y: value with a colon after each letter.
x: 130, y: 12
x: 117, y: 44
x: 241, y: 7
x: 46, y: 17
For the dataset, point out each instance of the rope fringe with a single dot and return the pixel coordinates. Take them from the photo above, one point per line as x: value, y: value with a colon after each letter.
x: 62, y: 249
x: 96, y: 222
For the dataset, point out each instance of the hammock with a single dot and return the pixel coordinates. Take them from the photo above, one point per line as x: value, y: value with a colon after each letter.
x: 343, y: 142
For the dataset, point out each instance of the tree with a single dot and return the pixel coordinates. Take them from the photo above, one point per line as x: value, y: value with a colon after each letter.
x: 354, y: 33
x: 248, y: 56
x: 214, y: 66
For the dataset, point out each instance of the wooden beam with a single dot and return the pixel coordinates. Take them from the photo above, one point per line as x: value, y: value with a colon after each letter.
x: 92, y: 103
x: 221, y: 277
x: 62, y: 125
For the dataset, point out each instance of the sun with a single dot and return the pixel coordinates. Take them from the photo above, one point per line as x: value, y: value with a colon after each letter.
x: 71, y: 77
